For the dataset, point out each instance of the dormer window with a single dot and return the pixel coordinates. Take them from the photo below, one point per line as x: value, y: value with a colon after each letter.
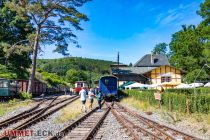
x: 155, y: 60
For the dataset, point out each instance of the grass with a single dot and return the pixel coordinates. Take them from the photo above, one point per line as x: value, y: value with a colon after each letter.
x: 172, y: 117
x: 72, y: 111
x: 6, y: 107
x: 131, y: 101
x: 208, y: 119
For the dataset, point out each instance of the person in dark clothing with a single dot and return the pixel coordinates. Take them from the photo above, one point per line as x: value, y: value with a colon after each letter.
x: 99, y: 99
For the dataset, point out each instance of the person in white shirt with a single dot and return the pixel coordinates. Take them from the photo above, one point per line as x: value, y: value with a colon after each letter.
x: 91, y: 97
x: 83, y: 96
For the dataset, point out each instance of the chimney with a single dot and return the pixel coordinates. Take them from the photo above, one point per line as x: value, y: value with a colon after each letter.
x: 151, y: 58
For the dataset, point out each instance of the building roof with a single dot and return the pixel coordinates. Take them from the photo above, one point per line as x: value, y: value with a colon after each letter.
x: 152, y: 60
x: 120, y: 65
x: 132, y: 70
x: 137, y: 70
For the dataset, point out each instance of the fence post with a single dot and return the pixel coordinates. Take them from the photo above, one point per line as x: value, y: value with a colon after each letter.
x: 187, y: 105
x: 170, y: 108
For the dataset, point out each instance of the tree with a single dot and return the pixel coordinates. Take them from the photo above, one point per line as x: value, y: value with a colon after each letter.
x: 187, y: 47
x: 160, y: 48
x: 13, y: 32
x: 204, y: 12
x: 52, y: 20
x: 201, y: 76
x: 73, y: 75
x: 130, y: 65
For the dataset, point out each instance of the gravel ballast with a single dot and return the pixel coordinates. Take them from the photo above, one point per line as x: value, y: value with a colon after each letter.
x: 183, y: 126
x: 111, y: 130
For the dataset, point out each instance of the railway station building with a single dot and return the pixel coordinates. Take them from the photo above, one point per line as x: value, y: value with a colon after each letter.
x: 150, y: 69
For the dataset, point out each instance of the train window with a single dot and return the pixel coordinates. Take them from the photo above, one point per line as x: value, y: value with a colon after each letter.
x: 106, y: 81
x: 3, y: 84
x: 79, y: 85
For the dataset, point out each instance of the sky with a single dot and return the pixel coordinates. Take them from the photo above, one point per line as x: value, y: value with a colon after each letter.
x: 132, y: 27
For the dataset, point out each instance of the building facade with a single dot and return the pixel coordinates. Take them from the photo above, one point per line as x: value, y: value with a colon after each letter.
x: 150, y: 69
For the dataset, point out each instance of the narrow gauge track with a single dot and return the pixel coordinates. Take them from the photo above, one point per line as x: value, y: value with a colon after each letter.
x: 85, y: 127
x: 31, y: 112
x: 140, y: 127
x: 24, y: 114
x: 43, y: 114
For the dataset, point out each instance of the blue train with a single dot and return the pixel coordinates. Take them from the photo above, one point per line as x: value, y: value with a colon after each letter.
x: 108, y: 85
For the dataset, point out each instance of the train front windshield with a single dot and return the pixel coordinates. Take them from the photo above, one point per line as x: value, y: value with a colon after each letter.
x: 108, y: 85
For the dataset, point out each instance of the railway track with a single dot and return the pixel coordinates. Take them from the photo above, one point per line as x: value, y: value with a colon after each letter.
x: 139, y: 127
x: 23, y: 115
x: 31, y: 112
x: 41, y: 114
x: 84, y: 128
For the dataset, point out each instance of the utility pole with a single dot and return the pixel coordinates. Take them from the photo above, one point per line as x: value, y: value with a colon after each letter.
x: 90, y: 79
x: 118, y: 65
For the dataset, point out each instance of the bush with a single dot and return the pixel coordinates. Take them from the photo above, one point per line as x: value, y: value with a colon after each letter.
x: 12, y: 101
x: 201, y: 90
x: 172, y: 101
x: 25, y: 95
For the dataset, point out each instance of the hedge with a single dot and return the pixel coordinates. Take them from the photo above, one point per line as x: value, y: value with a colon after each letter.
x: 190, y: 91
x: 188, y: 103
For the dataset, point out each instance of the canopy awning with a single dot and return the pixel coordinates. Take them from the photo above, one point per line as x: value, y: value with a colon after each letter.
x: 136, y: 85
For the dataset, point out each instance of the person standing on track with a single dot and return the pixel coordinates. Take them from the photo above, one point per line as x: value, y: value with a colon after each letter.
x: 83, y: 96
x: 99, y: 98
x: 91, y: 97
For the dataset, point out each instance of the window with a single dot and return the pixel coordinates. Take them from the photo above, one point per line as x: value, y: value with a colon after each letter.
x: 106, y: 82
x: 165, y: 79
x: 3, y: 84
x: 155, y: 60
x: 79, y: 85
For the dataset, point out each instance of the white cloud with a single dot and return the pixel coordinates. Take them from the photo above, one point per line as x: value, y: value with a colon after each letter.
x: 178, y: 15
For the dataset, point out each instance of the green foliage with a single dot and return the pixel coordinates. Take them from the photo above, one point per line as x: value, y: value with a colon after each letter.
x: 175, y: 100
x: 53, y: 20
x: 52, y: 79
x: 5, y: 73
x: 204, y: 11
x: 62, y: 65
x: 24, y: 95
x: 201, y: 90
x: 202, y: 76
x: 12, y: 101
x: 146, y: 96
x: 73, y: 75
x: 14, y: 52
x: 186, y: 47
x: 12, y: 29
x: 189, y: 51
x: 160, y: 48
x: 76, y: 68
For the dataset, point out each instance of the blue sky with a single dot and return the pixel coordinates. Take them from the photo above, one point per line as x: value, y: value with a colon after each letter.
x: 132, y: 27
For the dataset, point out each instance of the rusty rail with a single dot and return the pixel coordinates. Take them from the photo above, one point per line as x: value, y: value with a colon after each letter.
x: 130, y: 126
x: 96, y: 127
x: 73, y: 125
x: 157, y: 126
x: 10, y: 120
x: 40, y: 117
x: 29, y: 112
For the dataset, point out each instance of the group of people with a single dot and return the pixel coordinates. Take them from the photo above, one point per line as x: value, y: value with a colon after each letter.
x: 90, y: 94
